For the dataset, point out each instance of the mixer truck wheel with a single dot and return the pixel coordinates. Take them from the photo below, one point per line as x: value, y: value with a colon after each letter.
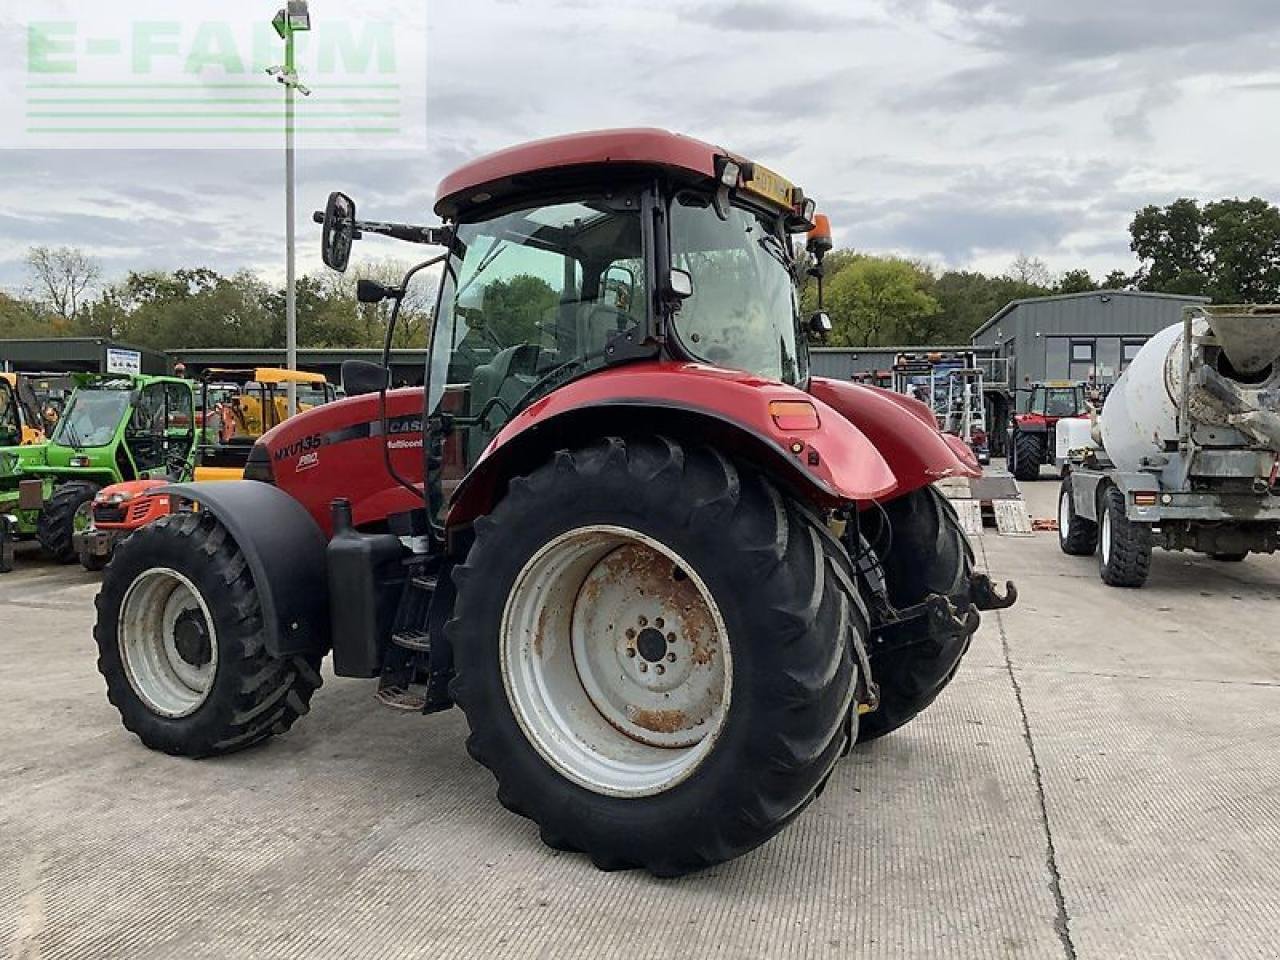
x: 1077, y: 536
x: 655, y: 654
x: 1124, y: 547
x: 1028, y: 452
x: 928, y: 554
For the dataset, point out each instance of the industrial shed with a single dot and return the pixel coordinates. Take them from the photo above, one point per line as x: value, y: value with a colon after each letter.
x: 1090, y: 337
x: 79, y: 355
x: 407, y: 366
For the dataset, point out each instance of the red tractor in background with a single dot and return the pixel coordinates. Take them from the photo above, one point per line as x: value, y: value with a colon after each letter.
x: 1032, y: 439
x: 669, y: 575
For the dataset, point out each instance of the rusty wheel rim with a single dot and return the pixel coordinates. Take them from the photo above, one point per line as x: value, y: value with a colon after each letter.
x: 616, y: 661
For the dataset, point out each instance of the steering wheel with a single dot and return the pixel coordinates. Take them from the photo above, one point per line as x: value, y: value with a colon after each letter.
x: 175, y: 466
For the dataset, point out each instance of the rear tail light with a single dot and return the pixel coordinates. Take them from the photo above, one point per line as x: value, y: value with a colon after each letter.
x: 1144, y: 499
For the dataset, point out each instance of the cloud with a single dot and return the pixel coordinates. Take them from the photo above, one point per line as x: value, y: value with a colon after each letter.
x: 757, y: 16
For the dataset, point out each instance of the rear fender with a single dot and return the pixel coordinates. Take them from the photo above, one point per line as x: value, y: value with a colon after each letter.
x: 903, y: 430
x: 829, y: 464
x: 285, y: 551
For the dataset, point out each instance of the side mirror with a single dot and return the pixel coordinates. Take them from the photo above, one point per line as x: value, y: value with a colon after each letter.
x: 820, y: 325
x: 679, y: 285
x: 339, y: 221
x: 360, y: 377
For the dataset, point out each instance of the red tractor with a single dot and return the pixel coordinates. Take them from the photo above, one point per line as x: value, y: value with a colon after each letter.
x: 1032, y: 440
x: 669, y: 575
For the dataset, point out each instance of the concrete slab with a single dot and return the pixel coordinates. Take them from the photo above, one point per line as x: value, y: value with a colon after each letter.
x: 1099, y: 781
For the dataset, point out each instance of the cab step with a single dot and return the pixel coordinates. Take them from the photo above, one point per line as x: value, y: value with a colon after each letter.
x: 419, y: 641
x: 409, y: 699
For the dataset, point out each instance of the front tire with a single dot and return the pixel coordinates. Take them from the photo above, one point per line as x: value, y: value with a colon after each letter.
x: 746, y: 700
x: 1028, y: 453
x: 182, y: 647
x: 68, y: 511
x: 1077, y: 535
x: 1124, y: 547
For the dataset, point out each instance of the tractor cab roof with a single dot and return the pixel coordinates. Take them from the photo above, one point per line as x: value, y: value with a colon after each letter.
x: 265, y: 375
x: 531, y: 165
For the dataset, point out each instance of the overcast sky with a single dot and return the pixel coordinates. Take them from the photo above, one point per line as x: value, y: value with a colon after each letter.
x: 963, y: 132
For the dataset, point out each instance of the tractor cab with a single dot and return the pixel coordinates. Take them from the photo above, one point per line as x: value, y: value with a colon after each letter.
x: 11, y: 425
x: 1057, y: 399
x: 238, y: 406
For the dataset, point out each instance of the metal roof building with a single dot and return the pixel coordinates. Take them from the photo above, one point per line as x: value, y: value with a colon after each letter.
x: 1078, y: 336
x: 407, y: 366
x: 80, y: 355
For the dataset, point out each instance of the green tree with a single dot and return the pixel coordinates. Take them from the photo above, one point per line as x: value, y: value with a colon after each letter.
x: 513, y: 308
x: 1075, y: 281
x: 1116, y: 280
x: 1169, y: 244
x: 1242, y: 244
x: 876, y: 302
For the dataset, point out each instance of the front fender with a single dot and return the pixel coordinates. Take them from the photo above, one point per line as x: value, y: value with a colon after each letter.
x: 285, y: 552
x: 903, y: 430
x: 833, y: 462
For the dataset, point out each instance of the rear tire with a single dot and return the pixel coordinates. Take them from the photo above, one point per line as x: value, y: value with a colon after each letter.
x: 1028, y: 453
x: 929, y: 554
x: 70, y: 506
x: 1230, y: 557
x: 1077, y: 536
x: 1124, y: 547
x: 182, y: 647
x: 694, y: 533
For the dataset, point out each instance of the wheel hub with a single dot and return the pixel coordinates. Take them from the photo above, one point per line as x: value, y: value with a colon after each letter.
x: 191, y: 638
x: 616, y: 661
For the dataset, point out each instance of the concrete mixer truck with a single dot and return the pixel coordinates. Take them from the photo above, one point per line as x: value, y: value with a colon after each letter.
x: 1186, y: 452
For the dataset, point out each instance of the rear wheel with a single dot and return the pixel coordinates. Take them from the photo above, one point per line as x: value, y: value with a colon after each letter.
x: 928, y: 554
x: 1077, y: 536
x: 655, y: 653
x: 1028, y: 452
x: 181, y: 643
x: 68, y: 512
x: 1124, y: 547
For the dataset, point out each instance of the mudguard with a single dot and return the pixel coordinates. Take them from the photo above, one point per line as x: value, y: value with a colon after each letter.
x: 830, y: 460
x: 285, y: 551
x: 903, y: 430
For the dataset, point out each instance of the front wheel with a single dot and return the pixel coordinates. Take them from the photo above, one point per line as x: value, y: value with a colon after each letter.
x: 1028, y: 453
x: 182, y: 646
x: 1124, y: 547
x: 655, y: 653
x: 68, y: 512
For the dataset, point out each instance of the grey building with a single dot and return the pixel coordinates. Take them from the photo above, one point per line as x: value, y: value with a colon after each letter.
x: 79, y: 355
x: 1090, y: 337
x: 875, y: 364
x: 408, y: 367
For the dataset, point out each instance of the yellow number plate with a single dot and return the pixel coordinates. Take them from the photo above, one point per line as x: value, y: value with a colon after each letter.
x: 765, y: 183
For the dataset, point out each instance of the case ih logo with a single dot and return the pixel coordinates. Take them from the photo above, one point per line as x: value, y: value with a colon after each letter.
x: 308, y: 462
x: 154, y: 74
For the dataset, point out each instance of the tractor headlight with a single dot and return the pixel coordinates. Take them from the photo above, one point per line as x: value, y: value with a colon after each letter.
x: 113, y: 498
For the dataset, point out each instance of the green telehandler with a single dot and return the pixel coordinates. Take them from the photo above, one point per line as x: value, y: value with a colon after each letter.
x: 114, y: 428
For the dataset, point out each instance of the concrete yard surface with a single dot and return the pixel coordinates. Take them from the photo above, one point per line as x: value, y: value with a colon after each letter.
x: 1100, y: 781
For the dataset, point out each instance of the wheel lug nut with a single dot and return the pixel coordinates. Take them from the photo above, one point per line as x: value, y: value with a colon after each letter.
x: 661, y: 669
x: 659, y: 623
x: 671, y: 638
x: 631, y: 634
x: 631, y: 651
x: 644, y: 668
x: 671, y: 657
x: 644, y: 621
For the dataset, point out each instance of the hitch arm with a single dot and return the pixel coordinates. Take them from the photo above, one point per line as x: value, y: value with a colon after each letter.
x: 984, y: 596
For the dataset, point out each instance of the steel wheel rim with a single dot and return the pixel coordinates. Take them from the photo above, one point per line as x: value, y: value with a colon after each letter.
x: 161, y: 645
x: 82, y: 519
x: 1106, y: 537
x: 1064, y: 513
x: 612, y: 701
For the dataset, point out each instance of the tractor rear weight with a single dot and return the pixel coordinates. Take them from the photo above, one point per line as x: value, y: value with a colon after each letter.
x: 669, y: 576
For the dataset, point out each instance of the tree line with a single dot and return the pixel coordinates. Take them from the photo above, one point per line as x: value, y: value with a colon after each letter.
x: 1228, y: 250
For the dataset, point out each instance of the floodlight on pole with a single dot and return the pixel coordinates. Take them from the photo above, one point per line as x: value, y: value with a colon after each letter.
x: 292, y: 19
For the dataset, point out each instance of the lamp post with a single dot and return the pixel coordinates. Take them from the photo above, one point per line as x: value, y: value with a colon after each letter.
x: 293, y: 19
